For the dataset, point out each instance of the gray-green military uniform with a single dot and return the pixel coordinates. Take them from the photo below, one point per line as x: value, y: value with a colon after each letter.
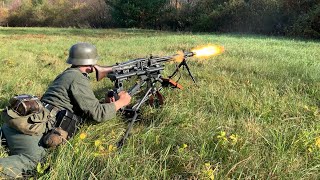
x: 71, y: 91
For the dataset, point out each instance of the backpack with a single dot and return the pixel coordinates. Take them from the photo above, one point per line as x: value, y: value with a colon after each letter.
x: 26, y: 114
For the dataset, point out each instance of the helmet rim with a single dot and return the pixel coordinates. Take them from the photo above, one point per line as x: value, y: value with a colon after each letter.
x: 84, y: 62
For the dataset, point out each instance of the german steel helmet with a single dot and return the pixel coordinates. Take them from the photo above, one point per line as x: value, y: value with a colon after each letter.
x: 82, y: 54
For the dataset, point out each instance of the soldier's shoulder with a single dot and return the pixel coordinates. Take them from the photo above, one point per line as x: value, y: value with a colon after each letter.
x: 73, y: 72
x: 69, y: 74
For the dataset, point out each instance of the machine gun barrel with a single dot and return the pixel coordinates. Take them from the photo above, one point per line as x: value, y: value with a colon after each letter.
x: 169, y: 58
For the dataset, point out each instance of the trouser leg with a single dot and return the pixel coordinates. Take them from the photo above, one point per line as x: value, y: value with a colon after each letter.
x: 15, y: 166
x: 25, y: 152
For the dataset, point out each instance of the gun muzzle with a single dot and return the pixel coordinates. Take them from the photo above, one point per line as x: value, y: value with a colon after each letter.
x: 189, y: 54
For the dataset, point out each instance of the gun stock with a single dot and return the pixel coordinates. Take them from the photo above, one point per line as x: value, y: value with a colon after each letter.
x: 102, y: 71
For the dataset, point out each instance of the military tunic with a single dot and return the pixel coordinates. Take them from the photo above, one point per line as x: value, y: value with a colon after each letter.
x: 71, y: 91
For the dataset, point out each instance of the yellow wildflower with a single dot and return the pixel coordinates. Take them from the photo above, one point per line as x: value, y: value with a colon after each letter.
x: 208, y: 172
x: 157, y: 139
x: 182, y: 148
x: 96, y: 154
x: 97, y: 143
x: 318, y: 142
x: 234, y: 138
x: 112, y: 148
x: 222, y: 135
x: 211, y: 176
x: 207, y: 165
x: 113, y: 134
x: 310, y: 149
x: 83, y: 136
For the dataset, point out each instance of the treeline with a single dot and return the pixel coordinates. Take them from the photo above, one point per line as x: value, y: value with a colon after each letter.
x: 54, y: 13
x: 272, y: 17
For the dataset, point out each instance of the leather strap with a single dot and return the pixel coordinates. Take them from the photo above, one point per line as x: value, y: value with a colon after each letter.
x: 52, y: 109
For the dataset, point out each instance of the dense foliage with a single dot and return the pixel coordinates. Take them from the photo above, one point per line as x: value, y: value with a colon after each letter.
x: 56, y: 13
x: 275, y: 17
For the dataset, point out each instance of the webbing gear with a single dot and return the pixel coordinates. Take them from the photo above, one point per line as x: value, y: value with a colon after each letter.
x: 68, y: 122
x: 52, y: 109
x: 64, y: 126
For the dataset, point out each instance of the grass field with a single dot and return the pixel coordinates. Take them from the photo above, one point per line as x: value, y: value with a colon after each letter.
x: 254, y: 113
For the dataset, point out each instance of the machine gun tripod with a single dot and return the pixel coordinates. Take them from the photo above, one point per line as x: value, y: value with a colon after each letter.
x: 133, y: 112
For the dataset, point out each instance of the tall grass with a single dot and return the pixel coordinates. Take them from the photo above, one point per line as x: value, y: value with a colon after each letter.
x: 253, y: 114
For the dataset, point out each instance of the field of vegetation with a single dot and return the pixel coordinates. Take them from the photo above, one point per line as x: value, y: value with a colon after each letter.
x: 254, y: 113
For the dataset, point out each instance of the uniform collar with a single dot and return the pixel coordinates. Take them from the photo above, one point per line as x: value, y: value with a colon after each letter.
x: 84, y: 74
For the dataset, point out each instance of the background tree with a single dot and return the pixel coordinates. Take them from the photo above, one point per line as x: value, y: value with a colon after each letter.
x: 143, y: 13
x: 58, y: 13
x: 270, y: 17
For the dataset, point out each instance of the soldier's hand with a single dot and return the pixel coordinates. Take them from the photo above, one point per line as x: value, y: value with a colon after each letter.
x: 124, y: 100
x: 124, y: 97
x: 108, y: 99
